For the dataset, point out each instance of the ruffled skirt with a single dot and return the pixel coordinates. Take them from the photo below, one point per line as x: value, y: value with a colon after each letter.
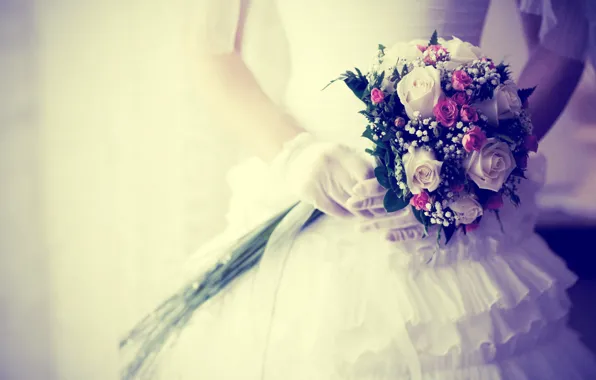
x: 352, y: 306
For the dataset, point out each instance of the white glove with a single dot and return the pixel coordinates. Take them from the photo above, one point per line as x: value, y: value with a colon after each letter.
x: 322, y: 173
x: 396, y: 226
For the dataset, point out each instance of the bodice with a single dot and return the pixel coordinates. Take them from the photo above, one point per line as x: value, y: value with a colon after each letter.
x: 325, y: 38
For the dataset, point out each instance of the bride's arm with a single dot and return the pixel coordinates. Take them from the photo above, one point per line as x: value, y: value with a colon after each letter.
x: 236, y: 100
x: 556, y: 61
x: 227, y: 89
x: 320, y: 173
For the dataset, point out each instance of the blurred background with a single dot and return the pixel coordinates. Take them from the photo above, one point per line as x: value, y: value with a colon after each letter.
x: 111, y: 175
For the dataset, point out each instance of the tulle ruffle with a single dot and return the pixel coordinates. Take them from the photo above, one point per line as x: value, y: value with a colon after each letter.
x: 472, y: 314
x: 562, y: 358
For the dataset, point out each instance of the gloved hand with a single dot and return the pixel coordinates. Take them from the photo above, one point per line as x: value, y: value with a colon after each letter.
x: 323, y: 173
x: 396, y: 226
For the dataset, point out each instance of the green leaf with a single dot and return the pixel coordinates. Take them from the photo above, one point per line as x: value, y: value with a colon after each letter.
x: 382, y: 48
x: 355, y: 81
x: 504, y: 71
x: 357, y: 86
x: 382, y: 176
x: 505, y: 138
x: 449, y: 231
x: 518, y: 172
x: 395, y: 77
x: 388, y: 162
x: 434, y: 39
x: 379, y: 80
x: 499, y: 220
x: 525, y: 93
x: 420, y: 217
x: 375, y: 152
x: 368, y: 134
x: 515, y: 199
x: 404, y: 71
x: 392, y: 202
x: 367, y: 115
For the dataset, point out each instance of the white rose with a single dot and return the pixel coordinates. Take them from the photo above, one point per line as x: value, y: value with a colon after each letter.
x: 466, y: 209
x: 460, y: 53
x: 420, y: 90
x: 505, y: 104
x: 490, y: 167
x: 402, y: 51
x: 423, y: 171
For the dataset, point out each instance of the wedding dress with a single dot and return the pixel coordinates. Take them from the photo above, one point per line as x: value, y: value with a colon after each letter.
x: 491, y: 305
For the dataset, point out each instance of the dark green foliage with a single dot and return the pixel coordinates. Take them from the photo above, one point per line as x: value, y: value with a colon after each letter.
x: 392, y: 202
x: 378, y: 81
x: 434, y: 39
x: 518, y: 172
x: 449, y: 232
x: 382, y: 176
x: 515, y: 199
x: 419, y: 215
x: 525, y: 93
x: 485, y: 92
x: 404, y: 71
x: 504, y: 71
x: 355, y: 81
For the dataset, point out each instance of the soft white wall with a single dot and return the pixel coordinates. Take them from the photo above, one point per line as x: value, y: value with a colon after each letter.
x: 25, y: 346
x: 133, y: 177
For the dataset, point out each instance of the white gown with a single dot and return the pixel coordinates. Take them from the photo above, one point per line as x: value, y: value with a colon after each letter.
x: 491, y: 305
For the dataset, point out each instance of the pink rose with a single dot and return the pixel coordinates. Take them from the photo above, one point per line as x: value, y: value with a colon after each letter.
x: 377, y: 96
x: 474, y: 139
x: 468, y: 114
x: 531, y: 143
x: 522, y: 161
x: 434, y: 53
x: 420, y: 200
x: 461, y: 98
x: 460, y: 80
x: 446, y: 112
x: 471, y: 227
x: 422, y: 48
x: 494, y: 202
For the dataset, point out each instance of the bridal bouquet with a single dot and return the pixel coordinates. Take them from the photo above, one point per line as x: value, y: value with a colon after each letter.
x: 451, y: 130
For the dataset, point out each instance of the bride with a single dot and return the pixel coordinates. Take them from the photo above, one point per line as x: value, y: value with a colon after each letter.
x: 363, y: 295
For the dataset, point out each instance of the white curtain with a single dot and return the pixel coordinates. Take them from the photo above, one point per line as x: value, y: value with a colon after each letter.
x: 111, y: 176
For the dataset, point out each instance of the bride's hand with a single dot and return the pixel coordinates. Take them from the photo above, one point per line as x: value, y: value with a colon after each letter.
x: 323, y: 174
x: 396, y: 226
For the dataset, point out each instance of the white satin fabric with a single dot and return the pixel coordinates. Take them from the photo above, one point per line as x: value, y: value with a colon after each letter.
x: 350, y: 306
